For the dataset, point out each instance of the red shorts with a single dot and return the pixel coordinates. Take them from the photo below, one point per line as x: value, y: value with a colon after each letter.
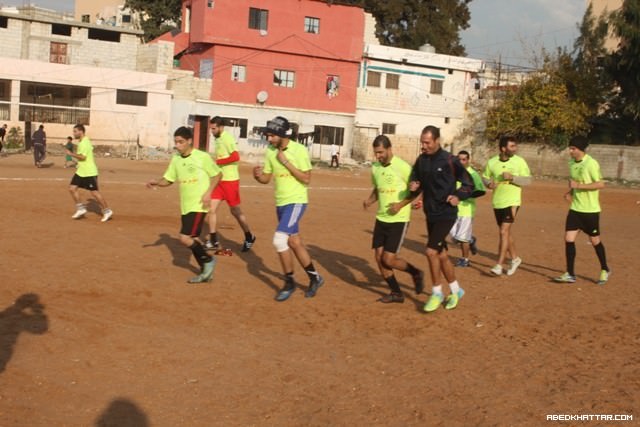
x: 229, y: 191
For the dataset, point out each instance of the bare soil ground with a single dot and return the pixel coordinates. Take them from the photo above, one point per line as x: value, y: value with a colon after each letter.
x: 98, y: 326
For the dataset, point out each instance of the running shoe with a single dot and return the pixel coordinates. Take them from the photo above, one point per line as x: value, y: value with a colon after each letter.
x: 248, y: 243
x: 565, y: 278
x: 313, y: 287
x: 211, y: 246
x: 286, y: 292
x: 463, y: 262
x: 106, y: 215
x: 80, y: 212
x: 515, y: 263
x: 473, y: 246
x: 452, y: 299
x: 392, y: 297
x: 604, y: 276
x: 497, y: 270
x: 418, y: 281
x: 434, y: 302
x: 207, y: 272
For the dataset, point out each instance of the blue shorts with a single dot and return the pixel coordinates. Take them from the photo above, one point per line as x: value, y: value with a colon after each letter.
x: 289, y: 217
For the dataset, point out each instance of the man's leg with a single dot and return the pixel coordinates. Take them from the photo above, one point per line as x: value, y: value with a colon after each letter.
x: 213, y: 242
x: 505, y: 234
x: 249, y: 238
x: 389, y: 277
x: 315, y: 280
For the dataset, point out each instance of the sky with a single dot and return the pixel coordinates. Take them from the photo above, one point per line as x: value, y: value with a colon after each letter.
x: 505, y: 30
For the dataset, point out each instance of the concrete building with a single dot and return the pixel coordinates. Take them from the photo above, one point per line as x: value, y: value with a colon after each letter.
x: 295, y: 58
x: 602, y: 7
x: 106, y: 12
x: 60, y: 72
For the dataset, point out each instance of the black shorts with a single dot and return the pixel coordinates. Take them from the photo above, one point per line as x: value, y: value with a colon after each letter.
x: 438, y: 232
x: 87, y: 182
x: 589, y: 223
x: 192, y: 223
x: 389, y: 235
x: 506, y: 215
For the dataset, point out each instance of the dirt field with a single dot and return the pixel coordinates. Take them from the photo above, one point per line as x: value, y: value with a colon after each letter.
x: 106, y: 332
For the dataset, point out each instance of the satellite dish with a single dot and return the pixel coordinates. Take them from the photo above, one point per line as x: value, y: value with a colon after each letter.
x: 263, y: 33
x: 262, y: 96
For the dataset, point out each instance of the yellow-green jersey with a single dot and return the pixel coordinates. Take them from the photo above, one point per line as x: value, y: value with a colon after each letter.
x: 468, y: 207
x: 287, y: 187
x: 225, y: 146
x: 193, y: 173
x: 391, y: 183
x: 86, y: 167
x: 586, y: 171
x: 505, y: 193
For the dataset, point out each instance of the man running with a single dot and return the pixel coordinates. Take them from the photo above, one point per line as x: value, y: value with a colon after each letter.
x: 197, y: 175
x: 584, y: 214
x: 227, y: 158
x: 390, y: 177
x: 288, y: 163
x: 506, y: 174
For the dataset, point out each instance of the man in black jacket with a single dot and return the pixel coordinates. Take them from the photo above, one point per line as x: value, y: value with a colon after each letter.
x: 435, y: 174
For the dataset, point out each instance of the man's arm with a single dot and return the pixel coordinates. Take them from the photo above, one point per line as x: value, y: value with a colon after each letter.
x: 233, y: 157
x: 260, y: 176
x: 215, y: 180
x: 373, y: 197
x: 162, y: 182
x: 302, y: 176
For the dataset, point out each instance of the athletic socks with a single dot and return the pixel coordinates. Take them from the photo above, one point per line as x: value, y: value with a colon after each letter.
x: 411, y: 269
x: 570, y: 253
x: 602, y: 257
x: 311, y: 272
x: 454, y: 286
x: 213, y: 237
x: 200, y: 253
x: 248, y: 236
x: 393, y: 284
x: 437, y: 289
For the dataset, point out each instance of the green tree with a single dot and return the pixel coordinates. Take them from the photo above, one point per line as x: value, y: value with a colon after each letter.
x: 157, y: 16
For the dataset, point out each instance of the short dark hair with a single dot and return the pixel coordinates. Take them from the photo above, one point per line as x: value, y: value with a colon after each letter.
x: 217, y: 120
x: 464, y: 153
x: 183, y: 132
x: 504, y: 140
x: 80, y: 127
x: 434, y: 131
x: 69, y: 138
x: 382, y: 140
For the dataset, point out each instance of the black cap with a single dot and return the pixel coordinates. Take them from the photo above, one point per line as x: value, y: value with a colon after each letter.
x: 278, y: 126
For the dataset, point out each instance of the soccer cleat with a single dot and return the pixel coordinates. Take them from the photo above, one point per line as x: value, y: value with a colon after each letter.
x: 106, y: 215
x: 207, y: 272
x: 248, y: 244
x: 392, y: 297
x: 434, y: 302
x: 313, y: 287
x: 496, y: 269
x: 565, y: 278
x: 604, y: 276
x: 418, y: 282
x: 463, y: 262
x: 452, y: 299
x: 211, y: 246
x: 473, y: 246
x: 515, y: 263
x: 286, y: 292
x: 80, y: 212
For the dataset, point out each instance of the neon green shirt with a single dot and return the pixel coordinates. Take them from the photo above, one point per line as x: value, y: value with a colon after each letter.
x: 586, y: 171
x: 506, y: 194
x: 86, y: 167
x: 225, y: 145
x: 391, y: 183
x: 288, y: 189
x: 194, y: 174
x: 468, y: 207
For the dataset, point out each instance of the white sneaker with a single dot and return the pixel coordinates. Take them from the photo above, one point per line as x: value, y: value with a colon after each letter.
x: 80, y: 212
x: 106, y: 215
x: 515, y: 263
x: 497, y: 270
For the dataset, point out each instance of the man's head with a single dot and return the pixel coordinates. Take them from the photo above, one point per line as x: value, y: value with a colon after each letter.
x: 183, y: 140
x: 78, y: 131
x: 430, y: 140
x: 69, y: 139
x: 507, y: 145
x: 278, y: 131
x: 464, y: 158
x: 577, y: 147
x: 217, y: 126
x: 41, y: 127
x: 382, y: 149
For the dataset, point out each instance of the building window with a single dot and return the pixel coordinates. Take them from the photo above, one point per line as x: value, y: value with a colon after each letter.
x: 237, y: 122
x: 51, y: 103
x: 333, y: 85
x: 61, y: 29
x: 447, y: 120
x: 373, y: 79
x: 284, y: 78
x: 311, y: 25
x: 238, y: 73
x: 85, y: 18
x: 104, y: 35
x: 58, y: 53
x: 258, y: 19
x: 388, y: 128
x: 126, y: 19
x: 4, y: 22
x: 393, y: 81
x: 206, y: 69
x: 327, y: 135
x: 131, y: 97
x: 210, y: 4
x: 436, y: 87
